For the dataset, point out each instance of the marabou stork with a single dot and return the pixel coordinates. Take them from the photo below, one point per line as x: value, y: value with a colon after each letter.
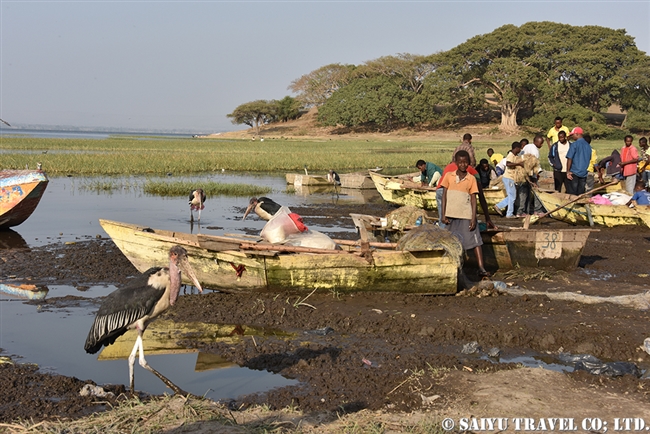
x: 197, y: 199
x: 5, y: 122
x: 263, y: 207
x: 135, y: 305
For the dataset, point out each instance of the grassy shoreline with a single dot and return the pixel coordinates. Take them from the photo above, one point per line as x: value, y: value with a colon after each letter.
x: 144, y: 156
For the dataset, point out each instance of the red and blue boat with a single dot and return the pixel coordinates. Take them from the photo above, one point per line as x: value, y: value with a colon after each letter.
x: 20, y: 193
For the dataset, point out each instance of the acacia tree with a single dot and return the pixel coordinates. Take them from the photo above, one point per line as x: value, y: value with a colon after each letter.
x: 287, y: 108
x: 254, y: 113
x: 315, y: 88
x: 541, y: 63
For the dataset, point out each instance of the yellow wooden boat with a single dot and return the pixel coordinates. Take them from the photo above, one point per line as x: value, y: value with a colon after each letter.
x: 237, y: 264
x: 505, y: 248
x: 583, y: 212
x: 403, y: 191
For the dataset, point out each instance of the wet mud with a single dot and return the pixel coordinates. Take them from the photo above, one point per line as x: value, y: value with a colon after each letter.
x: 353, y: 351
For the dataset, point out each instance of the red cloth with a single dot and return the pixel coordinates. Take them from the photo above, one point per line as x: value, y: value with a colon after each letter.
x: 297, y: 220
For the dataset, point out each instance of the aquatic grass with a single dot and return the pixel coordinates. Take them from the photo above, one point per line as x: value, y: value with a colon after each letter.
x: 210, y: 188
x: 119, y: 156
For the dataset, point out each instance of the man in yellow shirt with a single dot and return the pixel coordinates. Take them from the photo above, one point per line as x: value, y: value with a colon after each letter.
x: 591, y: 171
x: 493, y: 157
x: 551, y: 137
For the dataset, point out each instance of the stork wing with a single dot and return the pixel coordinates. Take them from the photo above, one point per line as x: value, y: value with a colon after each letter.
x: 122, y: 308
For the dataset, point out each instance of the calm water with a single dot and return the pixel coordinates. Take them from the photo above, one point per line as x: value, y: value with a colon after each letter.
x: 53, y: 338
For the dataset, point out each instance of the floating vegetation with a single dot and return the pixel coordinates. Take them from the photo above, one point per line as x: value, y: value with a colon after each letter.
x: 211, y: 188
x: 104, y: 185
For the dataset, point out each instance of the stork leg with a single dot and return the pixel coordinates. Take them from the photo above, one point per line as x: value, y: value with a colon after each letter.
x: 138, y: 348
x: 191, y: 216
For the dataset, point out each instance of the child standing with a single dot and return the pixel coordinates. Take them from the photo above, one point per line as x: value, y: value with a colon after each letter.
x: 459, y: 208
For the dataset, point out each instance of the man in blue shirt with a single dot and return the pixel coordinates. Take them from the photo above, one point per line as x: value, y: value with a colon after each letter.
x: 577, y: 162
x: 430, y: 173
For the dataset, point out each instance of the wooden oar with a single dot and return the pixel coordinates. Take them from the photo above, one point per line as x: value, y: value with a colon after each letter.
x: 574, y: 200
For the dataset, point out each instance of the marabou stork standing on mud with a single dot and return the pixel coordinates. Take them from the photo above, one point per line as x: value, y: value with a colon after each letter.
x: 135, y: 305
x: 197, y: 199
x: 263, y: 207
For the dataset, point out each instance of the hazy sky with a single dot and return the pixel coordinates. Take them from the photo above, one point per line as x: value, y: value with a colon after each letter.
x: 185, y: 65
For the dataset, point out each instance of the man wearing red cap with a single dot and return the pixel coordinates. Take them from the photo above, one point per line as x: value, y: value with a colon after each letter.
x: 577, y: 162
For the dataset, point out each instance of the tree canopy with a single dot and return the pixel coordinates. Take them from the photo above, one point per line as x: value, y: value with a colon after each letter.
x: 527, y: 73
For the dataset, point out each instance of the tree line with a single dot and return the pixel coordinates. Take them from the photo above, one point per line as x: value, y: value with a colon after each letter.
x: 527, y: 74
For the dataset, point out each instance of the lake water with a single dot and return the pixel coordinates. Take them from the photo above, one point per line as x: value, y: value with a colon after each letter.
x: 69, y: 211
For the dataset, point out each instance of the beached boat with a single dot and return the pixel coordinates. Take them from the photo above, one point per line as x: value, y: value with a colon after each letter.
x: 505, y: 248
x: 238, y: 263
x: 355, y: 180
x: 20, y: 192
x: 310, y: 180
x: 583, y: 212
x: 403, y: 191
x: 30, y: 292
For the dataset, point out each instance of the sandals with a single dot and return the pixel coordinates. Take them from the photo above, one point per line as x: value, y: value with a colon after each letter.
x: 483, y: 274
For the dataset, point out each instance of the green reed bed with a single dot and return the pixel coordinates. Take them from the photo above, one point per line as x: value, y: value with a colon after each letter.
x: 211, y: 188
x: 118, y: 156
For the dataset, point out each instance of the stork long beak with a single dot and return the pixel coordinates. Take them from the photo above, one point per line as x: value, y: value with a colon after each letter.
x: 248, y: 210
x: 186, y: 268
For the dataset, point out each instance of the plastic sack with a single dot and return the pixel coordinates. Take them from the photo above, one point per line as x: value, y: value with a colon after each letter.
x: 309, y: 238
x: 281, y: 225
x: 611, y: 369
x: 617, y: 198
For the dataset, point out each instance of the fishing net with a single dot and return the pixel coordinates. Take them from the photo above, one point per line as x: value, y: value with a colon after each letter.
x: 531, y: 164
x: 430, y: 237
x: 405, y: 216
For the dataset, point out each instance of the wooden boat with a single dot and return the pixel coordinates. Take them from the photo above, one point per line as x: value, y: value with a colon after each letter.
x: 20, y: 192
x: 237, y: 264
x: 402, y: 191
x: 583, y: 212
x: 355, y: 180
x: 30, y: 292
x: 299, y: 180
x: 506, y: 248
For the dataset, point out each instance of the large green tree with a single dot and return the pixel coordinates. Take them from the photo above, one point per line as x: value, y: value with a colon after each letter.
x: 254, y: 113
x: 539, y: 63
x: 287, y: 108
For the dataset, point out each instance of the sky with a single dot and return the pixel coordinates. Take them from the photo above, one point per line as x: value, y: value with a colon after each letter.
x: 170, y: 65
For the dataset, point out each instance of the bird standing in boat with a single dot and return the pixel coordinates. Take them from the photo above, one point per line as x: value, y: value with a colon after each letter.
x: 197, y: 200
x: 263, y: 207
x: 135, y: 305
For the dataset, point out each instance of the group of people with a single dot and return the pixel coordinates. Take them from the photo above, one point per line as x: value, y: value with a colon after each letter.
x: 575, y: 168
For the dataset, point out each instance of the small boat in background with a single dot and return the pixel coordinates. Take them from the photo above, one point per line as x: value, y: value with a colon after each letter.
x: 20, y: 193
x: 355, y: 180
x: 30, y: 292
x: 402, y: 190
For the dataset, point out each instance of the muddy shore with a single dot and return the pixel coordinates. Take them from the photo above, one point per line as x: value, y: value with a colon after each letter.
x: 377, y: 351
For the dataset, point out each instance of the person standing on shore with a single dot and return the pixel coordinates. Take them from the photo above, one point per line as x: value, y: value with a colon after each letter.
x: 577, y: 162
x: 466, y: 146
x: 557, y: 159
x: 512, y: 161
x: 552, y: 135
x: 459, y: 208
x: 628, y: 164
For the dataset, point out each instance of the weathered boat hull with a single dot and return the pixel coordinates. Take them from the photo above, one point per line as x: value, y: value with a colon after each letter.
x: 394, y: 191
x: 557, y: 248
x: 312, y: 180
x: 356, y: 180
x: 507, y: 248
x: 582, y: 212
x: 20, y: 193
x: 30, y: 292
x: 219, y: 264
